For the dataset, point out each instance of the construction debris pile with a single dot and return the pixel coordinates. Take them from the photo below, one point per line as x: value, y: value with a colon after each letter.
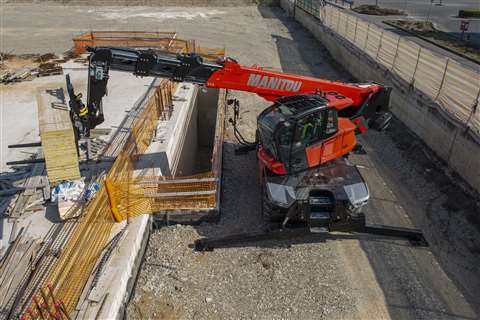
x: 25, y: 67
x: 24, y: 190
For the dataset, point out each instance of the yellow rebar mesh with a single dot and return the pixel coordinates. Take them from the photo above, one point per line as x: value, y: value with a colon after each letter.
x: 78, y: 258
x: 75, y: 263
x: 153, y: 194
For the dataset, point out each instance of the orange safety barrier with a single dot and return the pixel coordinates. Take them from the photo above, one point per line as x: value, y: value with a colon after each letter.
x: 161, y: 41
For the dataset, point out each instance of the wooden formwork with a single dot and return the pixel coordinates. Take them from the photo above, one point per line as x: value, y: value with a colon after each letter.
x: 122, y: 39
x: 163, y: 41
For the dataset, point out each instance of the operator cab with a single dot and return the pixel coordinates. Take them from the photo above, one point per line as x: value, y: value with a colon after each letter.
x: 300, y: 132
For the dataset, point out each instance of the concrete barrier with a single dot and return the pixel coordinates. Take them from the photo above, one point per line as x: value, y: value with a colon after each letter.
x: 449, y: 140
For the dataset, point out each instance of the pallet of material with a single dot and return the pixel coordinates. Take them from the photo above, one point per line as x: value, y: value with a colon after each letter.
x: 24, y: 74
x: 56, y: 133
x: 54, y: 71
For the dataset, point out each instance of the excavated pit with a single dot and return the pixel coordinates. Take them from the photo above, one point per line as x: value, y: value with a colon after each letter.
x: 201, y: 149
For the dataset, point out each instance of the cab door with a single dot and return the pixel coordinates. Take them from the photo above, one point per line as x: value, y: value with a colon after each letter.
x: 307, y: 143
x: 331, y: 137
x: 328, y: 139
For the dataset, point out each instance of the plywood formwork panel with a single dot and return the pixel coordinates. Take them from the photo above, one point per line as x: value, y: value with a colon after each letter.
x: 56, y: 133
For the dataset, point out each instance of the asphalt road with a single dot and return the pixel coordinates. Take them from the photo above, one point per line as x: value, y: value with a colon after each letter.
x: 444, y: 16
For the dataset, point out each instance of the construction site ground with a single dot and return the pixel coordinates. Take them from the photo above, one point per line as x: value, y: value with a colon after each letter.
x: 360, y: 277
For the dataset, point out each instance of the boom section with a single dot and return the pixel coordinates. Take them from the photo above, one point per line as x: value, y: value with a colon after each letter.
x: 272, y: 85
x: 224, y: 74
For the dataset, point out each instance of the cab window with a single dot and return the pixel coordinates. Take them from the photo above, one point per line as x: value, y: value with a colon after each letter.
x: 309, y: 129
x: 284, y: 137
x: 332, y: 123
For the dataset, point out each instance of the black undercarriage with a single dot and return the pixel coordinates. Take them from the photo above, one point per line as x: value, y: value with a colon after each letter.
x: 318, y: 201
x: 319, y: 197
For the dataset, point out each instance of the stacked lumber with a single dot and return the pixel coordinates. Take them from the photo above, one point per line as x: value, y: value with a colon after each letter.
x: 15, y: 269
x: 24, y: 74
x: 32, y: 65
x: 49, y: 69
x: 56, y: 133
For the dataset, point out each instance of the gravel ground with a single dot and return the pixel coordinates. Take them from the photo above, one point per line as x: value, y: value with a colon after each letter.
x: 271, y: 280
x: 349, y: 278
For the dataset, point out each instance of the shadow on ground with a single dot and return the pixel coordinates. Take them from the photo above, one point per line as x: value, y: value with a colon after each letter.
x: 408, y: 276
x: 451, y: 223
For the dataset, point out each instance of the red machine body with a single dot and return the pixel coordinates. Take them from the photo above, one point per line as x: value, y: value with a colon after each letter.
x: 318, y: 118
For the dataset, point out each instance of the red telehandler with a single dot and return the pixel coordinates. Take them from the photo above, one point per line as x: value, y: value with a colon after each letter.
x: 303, y: 139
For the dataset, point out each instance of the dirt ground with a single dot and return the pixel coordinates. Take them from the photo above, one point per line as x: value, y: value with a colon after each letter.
x: 361, y: 277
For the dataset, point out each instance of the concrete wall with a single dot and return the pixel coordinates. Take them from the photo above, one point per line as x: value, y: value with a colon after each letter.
x: 207, y: 116
x: 448, y: 140
x: 189, y: 147
x: 170, y: 148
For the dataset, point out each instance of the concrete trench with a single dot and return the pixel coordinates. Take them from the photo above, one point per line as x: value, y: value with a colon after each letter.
x: 190, y: 142
x: 197, y: 152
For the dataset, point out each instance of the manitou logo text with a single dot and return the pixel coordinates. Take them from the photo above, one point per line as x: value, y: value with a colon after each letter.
x: 256, y: 80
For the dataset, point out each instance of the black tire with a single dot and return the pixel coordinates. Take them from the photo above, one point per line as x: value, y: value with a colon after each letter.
x: 381, y: 121
x: 270, y: 213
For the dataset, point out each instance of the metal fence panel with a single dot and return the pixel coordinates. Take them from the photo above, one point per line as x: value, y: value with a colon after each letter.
x: 310, y: 6
x: 460, y: 93
x: 388, y: 49
x: 351, y: 28
x: 406, y: 59
x: 342, y: 24
x: 429, y: 73
x: 373, y: 41
x: 361, y: 34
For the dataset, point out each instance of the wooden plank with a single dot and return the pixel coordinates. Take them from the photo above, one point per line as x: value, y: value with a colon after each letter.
x: 35, y: 178
x: 56, y: 132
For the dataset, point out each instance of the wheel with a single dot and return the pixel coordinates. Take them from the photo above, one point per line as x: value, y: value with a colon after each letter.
x: 381, y: 121
x: 270, y: 213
